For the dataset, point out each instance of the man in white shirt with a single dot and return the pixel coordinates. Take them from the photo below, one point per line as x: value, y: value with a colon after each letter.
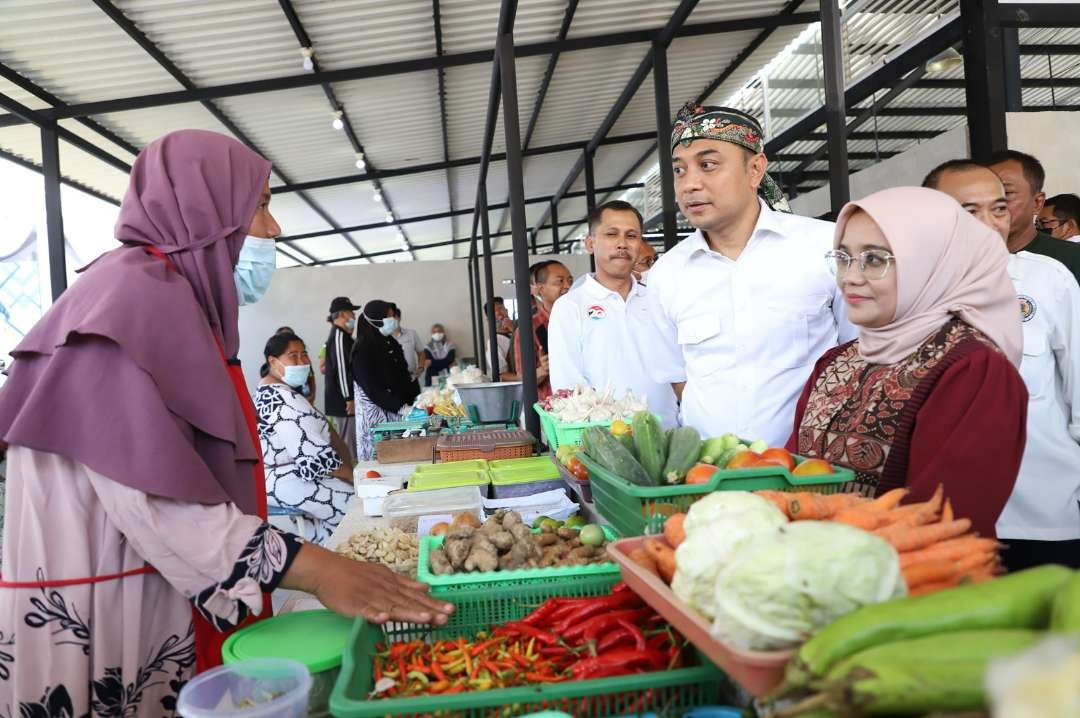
x: 1041, y: 521
x: 410, y: 343
x: 591, y: 335
x: 504, y: 330
x: 1060, y: 217
x: 746, y: 305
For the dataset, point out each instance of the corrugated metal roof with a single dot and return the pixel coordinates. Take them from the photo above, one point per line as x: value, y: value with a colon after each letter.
x: 363, y: 32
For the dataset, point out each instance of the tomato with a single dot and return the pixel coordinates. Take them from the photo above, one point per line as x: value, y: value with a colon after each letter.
x: 701, y: 474
x: 744, y: 460
x: 374, y: 475
x: 780, y: 457
x: 813, y: 467
x: 578, y: 469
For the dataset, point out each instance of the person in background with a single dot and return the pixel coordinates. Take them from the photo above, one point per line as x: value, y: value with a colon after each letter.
x: 308, y: 389
x: 504, y: 331
x: 304, y: 470
x: 384, y: 387
x: 410, y: 346
x: 551, y: 280
x: 1060, y: 217
x: 1041, y: 521
x: 440, y: 354
x: 597, y: 335
x: 338, y: 395
x: 744, y: 305
x: 645, y: 260
x: 1024, y: 177
x: 929, y: 393
x: 136, y: 535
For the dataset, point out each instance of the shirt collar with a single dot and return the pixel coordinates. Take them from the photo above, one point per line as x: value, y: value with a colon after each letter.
x: 598, y: 291
x: 769, y: 221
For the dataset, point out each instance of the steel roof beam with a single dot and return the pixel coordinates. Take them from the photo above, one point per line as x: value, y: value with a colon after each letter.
x: 23, y: 162
x: 364, y: 72
x: 339, y: 110
x: 436, y: 22
x: 142, y: 40
x: 1038, y: 14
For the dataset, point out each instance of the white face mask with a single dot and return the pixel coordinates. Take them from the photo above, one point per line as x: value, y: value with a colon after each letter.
x: 438, y: 337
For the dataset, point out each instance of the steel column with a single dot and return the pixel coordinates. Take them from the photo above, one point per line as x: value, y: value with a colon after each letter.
x: 479, y: 309
x: 489, y: 286
x: 984, y: 75
x: 663, y: 143
x: 554, y: 228
x: 54, y: 217
x: 473, y: 290
x: 832, y: 56
x: 508, y: 76
x: 1010, y: 56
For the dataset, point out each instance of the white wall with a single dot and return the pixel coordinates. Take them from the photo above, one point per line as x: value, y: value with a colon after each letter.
x: 1053, y: 137
x: 427, y: 292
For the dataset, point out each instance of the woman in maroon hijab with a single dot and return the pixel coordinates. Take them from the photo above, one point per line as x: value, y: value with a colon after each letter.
x: 135, y: 526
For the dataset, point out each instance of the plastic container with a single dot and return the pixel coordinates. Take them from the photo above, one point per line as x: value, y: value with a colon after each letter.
x: 512, y: 478
x: 455, y: 466
x: 403, y: 510
x: 428, y: 481
x: 583, y: 489
x: 757, y: 671
x: 557, y: 433
x: 516, y: 577
x: 533, y: 462
x: 635, y: 510
x: 260, y: 688
x: 494, y: 402
x: 674, y: 691
x: 493, y: 444
x: 314, y: 639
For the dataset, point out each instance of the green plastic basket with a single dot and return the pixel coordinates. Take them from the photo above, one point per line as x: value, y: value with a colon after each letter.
x: 557, y: 433
x: 672, y: 692
x: 518, y: 577
x: 640, y: 510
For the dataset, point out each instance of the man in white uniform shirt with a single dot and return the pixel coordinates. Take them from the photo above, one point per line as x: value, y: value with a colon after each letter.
x: 745, y: 305
x: 1041, y: 521
x: 591, y: 336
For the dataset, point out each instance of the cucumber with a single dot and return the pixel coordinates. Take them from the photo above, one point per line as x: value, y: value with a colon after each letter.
x: 628, y: 441
x: 683, y: 453
x: 651, y: 445
x: 616, y: 458
x: 713, y: 449
x: 1065, y: 614
x: 1019, y: 600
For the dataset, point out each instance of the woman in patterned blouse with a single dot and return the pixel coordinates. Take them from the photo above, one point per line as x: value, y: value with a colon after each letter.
x: 929, y: 393
x: 303, y: 469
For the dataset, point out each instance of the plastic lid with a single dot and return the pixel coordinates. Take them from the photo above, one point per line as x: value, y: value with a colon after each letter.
x: 530, y: 463
x: 428, y: 481
x: 313, y: 638
x: 436, y: 501
x: 452, y: 467
x: 525, y: 475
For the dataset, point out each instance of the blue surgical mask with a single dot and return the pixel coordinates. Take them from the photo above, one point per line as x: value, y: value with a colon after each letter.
x: 258, y: 259
x: 350, y: 324
x: 296, y: 375
x: 389, y: 326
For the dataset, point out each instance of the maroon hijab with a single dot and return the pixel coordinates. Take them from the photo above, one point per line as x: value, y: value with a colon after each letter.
x: 124, y: 373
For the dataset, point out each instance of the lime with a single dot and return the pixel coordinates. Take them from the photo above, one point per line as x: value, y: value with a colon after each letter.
x: 540, y: 521
x: 591, y: 535
x: 574, y: 522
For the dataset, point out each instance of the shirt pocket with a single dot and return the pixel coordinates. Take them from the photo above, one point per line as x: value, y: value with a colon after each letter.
x: 787, y: 327
x: 707, y: 344
x: 1038, y: 366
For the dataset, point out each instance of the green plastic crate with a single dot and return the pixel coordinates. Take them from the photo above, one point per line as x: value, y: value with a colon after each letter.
x: 499, y: 466
x: 639, y: 510
x: 452, y: 467
x: 674, y: 691
x: 429, y: 481
x: 557, y: 433
x: 517, y: 577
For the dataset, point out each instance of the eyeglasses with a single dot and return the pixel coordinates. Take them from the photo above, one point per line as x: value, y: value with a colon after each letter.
x: 1048, y: 223
x: 873, y: 263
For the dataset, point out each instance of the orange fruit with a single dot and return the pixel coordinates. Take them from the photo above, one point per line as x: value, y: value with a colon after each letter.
x: 701, y: 474
x: 813, y: 467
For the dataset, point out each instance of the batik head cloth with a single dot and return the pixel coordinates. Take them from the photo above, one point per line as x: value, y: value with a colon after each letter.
x: 697, y: 122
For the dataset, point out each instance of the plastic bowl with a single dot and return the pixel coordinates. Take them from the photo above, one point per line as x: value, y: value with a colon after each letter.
x: 258, y: 688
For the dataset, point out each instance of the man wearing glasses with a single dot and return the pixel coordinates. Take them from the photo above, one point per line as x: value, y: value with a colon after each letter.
x: 744, y: 306
x: 1060, y: 217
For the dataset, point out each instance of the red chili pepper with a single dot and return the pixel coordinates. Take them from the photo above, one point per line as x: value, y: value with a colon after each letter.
x: 378, y: 670
x: 612, y: 639
x: 481, y: 647
x: 639, y: 637
x: 543, y: 636
x: 459, y: 688
x: 604, y: 621
x: 620, y: 587
x: 597, y: 606
x: 401, y: 670
x: 522, y: 660
x: 439, y: 672
x: 545, y: 610
x: 622, y: 661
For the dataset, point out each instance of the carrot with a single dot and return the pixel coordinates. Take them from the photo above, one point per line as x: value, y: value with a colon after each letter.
x: 912, y: 538
x: 664, y: 557
x: 888, y: 500
x: 977, y: 561
x: 935, y: 586
x: 955, y: 549
x: 930, y: 572
x: 859, y: 517
x: 644, y: 559
x: 674, y: 531
x: 806, y: 505
x: 779, y: 499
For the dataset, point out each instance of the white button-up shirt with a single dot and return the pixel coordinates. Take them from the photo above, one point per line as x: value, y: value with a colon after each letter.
x: 593, y: 341
x: 744, y: 334
x: 1045, y: 502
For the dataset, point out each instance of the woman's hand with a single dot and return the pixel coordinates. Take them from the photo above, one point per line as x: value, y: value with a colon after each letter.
x: 357, y: 588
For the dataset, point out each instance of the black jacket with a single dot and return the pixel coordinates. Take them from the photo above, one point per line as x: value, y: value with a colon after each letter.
x: 379, y: 365
x: 339, y: 375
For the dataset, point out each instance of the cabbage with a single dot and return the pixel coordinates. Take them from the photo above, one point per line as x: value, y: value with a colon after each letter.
x: 708, y: 510
x: 715, y: 526
x: 785, y: 585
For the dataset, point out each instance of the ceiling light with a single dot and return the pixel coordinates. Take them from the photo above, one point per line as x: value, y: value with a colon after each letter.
x: 400, y: 236
x: 308, y: 55
x: 360, y: 163
x: 377, y: 196
x: 338, y: 123
x: 389, y: 217
x: 948, y: 59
